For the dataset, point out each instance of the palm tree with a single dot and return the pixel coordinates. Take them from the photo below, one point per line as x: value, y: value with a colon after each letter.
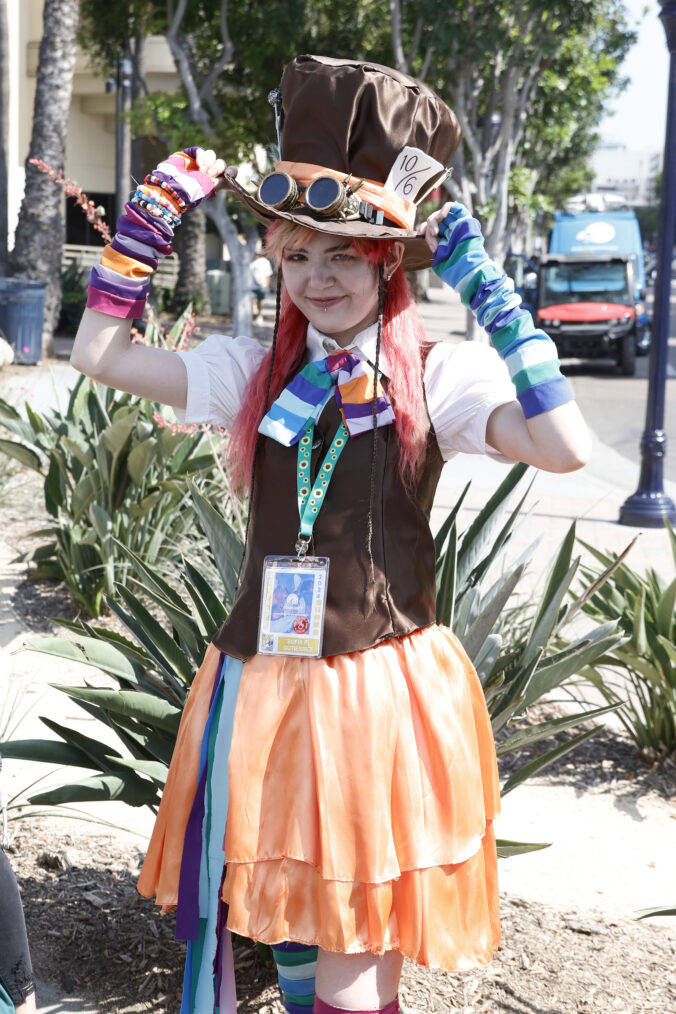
x: 39, y: 234
x: 4, y: 105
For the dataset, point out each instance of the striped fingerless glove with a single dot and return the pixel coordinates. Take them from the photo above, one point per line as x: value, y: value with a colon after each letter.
x: 120, y: 281
x: 529, y: 353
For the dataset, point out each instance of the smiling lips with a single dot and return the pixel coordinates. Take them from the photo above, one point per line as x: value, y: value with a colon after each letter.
x: 324, y: 304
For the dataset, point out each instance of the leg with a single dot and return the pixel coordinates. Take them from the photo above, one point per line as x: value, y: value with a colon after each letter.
x: 358, y: 982
x: 296, y: 965
x: 16, y: 974
x: 28, y: 1007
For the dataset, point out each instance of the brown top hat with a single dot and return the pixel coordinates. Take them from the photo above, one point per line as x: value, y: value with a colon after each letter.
x: 345, y: 125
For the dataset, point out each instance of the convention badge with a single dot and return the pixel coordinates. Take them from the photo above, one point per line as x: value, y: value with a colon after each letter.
x: 293, y: 603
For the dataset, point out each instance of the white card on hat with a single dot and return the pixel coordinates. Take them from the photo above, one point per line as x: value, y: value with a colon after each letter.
x: 412, y: 169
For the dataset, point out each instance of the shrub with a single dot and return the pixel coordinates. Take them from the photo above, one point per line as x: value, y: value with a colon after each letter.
x: 644, y: 607
x: 111, y: 476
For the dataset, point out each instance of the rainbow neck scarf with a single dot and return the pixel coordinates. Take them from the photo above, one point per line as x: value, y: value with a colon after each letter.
x: 344, y: 375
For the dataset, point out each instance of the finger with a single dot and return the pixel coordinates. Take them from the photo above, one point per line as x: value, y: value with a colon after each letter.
x: 231, y: 171
x: 218, y: 168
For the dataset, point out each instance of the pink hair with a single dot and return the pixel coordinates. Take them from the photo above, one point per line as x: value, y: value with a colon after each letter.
x: 402, y: 338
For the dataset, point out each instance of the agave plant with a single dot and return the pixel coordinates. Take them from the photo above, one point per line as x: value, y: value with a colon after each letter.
x: 112, y: 477
x: 644, y: 606
x: 153, y: 669
x: 516, y: 649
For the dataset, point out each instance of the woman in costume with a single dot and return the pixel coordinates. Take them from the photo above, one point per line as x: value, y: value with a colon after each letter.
x: 333, y: 789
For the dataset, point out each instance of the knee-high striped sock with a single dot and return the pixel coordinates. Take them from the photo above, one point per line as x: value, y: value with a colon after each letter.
x: 296, y: 966
x: 327, y: 1008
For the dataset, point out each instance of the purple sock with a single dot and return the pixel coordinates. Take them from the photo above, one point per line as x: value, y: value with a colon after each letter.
x: 326, y: 1008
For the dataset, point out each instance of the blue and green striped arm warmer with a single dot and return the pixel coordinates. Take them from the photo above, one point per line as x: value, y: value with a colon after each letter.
x: 530, y: 355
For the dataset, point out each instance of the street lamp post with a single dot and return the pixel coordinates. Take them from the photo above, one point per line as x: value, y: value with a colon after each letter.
x: 650, y: 505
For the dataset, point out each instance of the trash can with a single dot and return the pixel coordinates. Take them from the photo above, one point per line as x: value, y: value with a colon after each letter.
x: 22, y: 310
x: 219, y: 285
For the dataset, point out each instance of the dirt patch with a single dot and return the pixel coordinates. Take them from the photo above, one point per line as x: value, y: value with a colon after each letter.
x: 94, y: 937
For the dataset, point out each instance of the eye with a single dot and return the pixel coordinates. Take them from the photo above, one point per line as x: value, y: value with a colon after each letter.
x: 344, y: 257
x: 294, y: 256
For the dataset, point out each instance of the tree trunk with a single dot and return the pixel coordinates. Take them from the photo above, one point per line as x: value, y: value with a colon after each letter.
x: 240, y: 262
x: 191, y: 284
x: 4, y: 138
x: 40, y: 231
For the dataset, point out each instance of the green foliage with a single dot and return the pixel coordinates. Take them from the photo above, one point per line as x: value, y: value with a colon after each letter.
x: 514, y: 642
x: 644, y: 607
x: 112, y: 476
x: 152, y: 668
x: 150, y: 671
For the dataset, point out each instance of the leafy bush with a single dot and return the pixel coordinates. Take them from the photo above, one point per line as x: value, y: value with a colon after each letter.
x: 644, y: 607
x: 111, y: 476
x: 153, y: 668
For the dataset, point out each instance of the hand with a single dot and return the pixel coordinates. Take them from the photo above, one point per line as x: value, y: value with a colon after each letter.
x: 430, y: 228
x: 214, y: 168
x: 208, y: 163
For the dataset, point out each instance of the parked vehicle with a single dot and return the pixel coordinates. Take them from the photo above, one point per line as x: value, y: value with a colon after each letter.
x: 586, y: 303
x: 591, y: 287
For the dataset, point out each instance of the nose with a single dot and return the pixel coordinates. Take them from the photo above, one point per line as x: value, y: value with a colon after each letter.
x: 321, y: 274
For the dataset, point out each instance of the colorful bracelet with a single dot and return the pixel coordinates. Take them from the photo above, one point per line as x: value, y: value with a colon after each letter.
x: 119, y: 283
x: 156, y: 209
x: 154, y: 180
x: 529, y: 353
x: 160, y: 197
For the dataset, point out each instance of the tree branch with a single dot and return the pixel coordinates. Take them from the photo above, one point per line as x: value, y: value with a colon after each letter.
x: 397, y: 47
x: 417, y: 36
x: 220, y: 65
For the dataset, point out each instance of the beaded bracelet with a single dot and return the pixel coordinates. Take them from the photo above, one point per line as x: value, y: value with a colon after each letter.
x: 159, y: 196
x: 156, y: 210
x: 175, y: 196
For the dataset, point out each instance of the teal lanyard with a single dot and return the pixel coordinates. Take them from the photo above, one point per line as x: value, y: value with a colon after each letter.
x: 310, y: 500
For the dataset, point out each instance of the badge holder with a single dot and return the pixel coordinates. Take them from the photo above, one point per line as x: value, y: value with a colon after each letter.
x: 293, y: 596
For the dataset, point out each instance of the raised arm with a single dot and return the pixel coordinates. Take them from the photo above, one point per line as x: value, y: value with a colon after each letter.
x: 119, y: 283
x: 544, y: 426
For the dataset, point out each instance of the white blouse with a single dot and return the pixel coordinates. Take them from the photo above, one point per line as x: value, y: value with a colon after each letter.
x: 463, y: 384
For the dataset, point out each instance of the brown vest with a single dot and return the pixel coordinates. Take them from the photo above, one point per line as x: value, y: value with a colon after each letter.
x: 358, y: 613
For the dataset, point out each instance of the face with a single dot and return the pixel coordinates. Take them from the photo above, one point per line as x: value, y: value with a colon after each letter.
x: 334, y: 286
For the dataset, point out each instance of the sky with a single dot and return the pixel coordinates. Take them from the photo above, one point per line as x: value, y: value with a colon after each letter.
x: 638, y: 116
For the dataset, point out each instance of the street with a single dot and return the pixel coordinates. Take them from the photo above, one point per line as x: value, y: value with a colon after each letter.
x: 614, y: 406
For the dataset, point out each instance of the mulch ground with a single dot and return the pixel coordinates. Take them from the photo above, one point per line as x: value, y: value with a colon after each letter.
x: 94, y: 937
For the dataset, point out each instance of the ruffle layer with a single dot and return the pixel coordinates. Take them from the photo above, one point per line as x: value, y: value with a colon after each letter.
x: 362, y: 789
x: 362, y: 765
x: 442, y: 917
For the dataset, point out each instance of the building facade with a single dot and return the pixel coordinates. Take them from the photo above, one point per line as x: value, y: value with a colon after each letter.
x: 627, y: 173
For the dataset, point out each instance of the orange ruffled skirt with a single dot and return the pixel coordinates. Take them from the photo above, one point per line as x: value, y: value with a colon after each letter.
x: 362, y: 791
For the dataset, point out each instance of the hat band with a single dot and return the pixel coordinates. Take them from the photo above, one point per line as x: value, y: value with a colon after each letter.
x: 393, y: 207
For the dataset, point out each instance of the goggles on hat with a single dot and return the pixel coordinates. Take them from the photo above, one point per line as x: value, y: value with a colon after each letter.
x: 326, y: 196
